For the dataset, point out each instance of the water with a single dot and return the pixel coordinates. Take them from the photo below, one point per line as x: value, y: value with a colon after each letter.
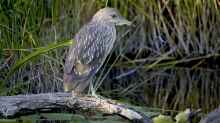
x: 169, y: 89
x: 64, y: 118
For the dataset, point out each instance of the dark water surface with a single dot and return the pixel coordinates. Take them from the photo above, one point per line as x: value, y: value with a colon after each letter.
x: 169, y: 89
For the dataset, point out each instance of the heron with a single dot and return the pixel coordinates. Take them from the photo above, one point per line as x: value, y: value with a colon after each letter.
x: 93, y: 44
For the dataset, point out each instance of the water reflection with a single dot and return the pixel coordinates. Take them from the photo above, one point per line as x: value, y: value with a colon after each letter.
x: 176, y: 89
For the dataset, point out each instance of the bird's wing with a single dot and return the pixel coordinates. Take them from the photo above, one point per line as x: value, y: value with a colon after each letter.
x: 93, y: 43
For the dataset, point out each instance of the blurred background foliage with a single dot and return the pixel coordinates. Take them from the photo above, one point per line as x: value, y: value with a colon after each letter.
x: 167, y: 60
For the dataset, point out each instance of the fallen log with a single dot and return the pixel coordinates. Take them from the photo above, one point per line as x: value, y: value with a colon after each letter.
x: 11, y: 106
x: 212, y: 117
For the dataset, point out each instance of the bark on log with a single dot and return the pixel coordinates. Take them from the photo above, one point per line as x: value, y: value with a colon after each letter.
x: 10, y: 106
x: 212, y: 117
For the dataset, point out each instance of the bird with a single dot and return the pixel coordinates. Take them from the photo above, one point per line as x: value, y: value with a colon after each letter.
x: 93, y: 43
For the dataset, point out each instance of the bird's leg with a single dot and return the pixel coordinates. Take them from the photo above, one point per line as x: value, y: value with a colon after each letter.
x: 92, y: 91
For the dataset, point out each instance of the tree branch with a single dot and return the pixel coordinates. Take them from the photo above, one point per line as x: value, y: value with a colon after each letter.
x: 10, y: 106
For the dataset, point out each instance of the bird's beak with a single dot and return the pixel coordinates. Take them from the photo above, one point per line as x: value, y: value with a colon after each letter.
x: 123, y: 21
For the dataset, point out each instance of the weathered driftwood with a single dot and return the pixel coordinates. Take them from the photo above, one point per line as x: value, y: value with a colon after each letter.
x: 212, y: 117
x: 10, y: 106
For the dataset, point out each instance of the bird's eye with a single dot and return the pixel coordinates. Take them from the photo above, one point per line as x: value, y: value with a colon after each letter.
x: 114, y: 16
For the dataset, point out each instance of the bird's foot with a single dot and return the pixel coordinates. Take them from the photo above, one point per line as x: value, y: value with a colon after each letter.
x: 97, y: 96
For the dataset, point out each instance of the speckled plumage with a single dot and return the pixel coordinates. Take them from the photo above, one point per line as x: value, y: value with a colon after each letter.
x: 94, y: 41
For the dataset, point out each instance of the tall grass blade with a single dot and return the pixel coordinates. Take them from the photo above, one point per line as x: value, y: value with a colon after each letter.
x: 38, y: 52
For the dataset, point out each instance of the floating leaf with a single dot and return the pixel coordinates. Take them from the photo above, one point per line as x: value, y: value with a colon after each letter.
x: 183, y: 116
x: 163, y: 119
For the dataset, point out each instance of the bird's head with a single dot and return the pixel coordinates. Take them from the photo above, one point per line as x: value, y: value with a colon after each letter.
x: 110, y: 15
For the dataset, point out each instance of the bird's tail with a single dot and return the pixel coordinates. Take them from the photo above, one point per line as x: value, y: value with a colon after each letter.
x: 67, y: 82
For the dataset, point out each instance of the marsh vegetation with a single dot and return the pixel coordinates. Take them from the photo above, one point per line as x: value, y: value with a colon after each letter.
x: 167, y: 61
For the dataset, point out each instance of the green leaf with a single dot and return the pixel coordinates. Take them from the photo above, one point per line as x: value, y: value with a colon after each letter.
x: 163, y: 119
x: 182, y: 117
x: 8, y: 121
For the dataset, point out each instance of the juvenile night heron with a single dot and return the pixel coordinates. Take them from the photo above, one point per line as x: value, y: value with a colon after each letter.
x: 94, y: 41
